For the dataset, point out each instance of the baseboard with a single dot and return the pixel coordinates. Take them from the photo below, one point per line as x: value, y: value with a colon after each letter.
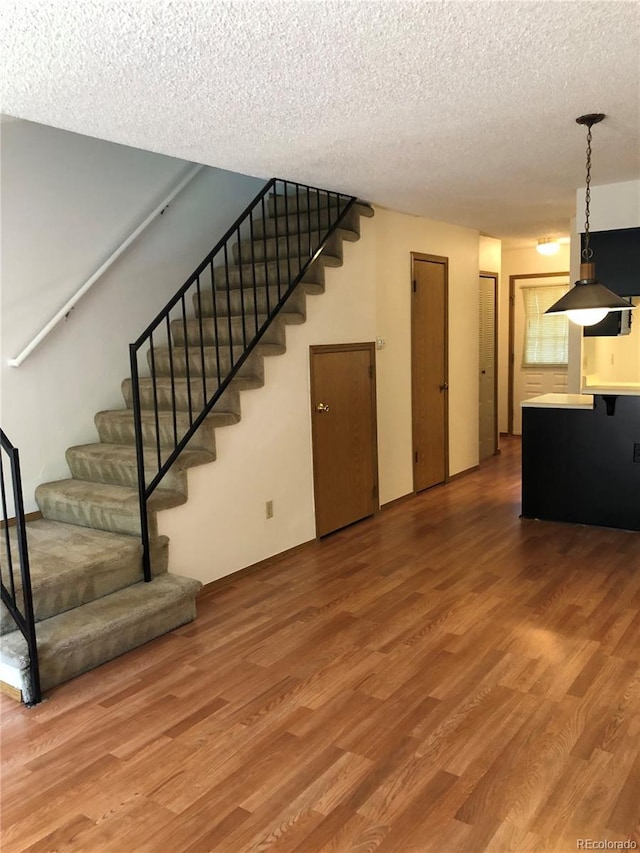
x: 221, y: 583
x: 464, y: 473
x: 396, y: 501
x: 30, y: 516
x: 11, y: 691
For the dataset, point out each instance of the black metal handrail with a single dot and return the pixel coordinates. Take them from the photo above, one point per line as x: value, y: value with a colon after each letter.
x: 17, y: 598
x: 268, y: 268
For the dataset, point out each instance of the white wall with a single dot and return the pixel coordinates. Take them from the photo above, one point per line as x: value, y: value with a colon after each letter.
x: 613, y: 206
x: 522, y: 261
x: 67, y: 201
x: 267, y: 456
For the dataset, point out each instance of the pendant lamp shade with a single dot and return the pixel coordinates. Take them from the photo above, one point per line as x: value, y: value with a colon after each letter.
x: 588, y: 302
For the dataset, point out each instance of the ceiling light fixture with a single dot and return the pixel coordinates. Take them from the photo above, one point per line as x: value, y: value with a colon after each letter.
x: 588, y: 302
x: 547, y: 246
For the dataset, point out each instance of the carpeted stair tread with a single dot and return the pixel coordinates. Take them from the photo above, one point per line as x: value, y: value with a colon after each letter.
x: 117, y: 427
x: 229, y: 303
x: 164, y: 391
x: 165, y: 359
x: 100, y: 505
x: 279, y: 204
x: 87, y: 636
x: 207, y: 331
x: 319, y: 219
x: 117, y: 463
x: 297, y: 244
x: 72, y: 565
x: 267, y: 273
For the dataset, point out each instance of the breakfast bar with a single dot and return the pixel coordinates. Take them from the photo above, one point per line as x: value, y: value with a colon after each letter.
x: 581, y: 457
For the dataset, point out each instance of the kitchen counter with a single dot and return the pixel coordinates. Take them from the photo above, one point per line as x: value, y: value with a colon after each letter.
x: 578, y: 459
x: 559, y: 401
x: 613, y: 388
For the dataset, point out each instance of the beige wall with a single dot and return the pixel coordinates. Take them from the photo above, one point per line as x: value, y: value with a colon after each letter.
x: 267, y: 456
x: 397, y: 235
x: 518, y: 262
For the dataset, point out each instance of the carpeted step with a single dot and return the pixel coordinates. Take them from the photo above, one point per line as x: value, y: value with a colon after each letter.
x: 165, y: 391
x: 227, y: 329
x: 317, y: 219
x: 280, y: 204
x: 209, y: 361
x: 268, y: 273
x: 81, y: 639
x: 73, y: 565
x: 116, y: 427
x: 300, y: 244
x: 105, y: 507
x: 229, y: 303
x: 116, y: 464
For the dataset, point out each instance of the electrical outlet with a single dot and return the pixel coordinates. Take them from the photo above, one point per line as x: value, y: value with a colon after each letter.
x: 636, y: 452
x: 269, y: 509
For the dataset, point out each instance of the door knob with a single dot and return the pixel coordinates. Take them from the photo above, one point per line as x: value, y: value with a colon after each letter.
x: 444, y: 386
x: 322, y: 407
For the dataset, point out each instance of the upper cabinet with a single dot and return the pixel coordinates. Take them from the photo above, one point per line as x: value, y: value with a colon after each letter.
x: 617, y: 257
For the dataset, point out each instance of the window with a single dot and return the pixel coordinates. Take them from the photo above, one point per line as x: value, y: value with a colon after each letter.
x: 546, y: 338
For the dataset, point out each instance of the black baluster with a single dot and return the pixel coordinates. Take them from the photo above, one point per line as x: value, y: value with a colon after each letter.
x: 241, y: 279
x: 266, y: 256
x: 227, y: 285
x: 253, y: 272
x: 275, y: 202
x: 298, y: 226
x: 202, y: 362
x: 186, y: 355
x: 155, y: 400
x: 309, y: 221
x: 215, y: 321
x: 142, y: 489
x: 286, y: 217
x: 6, y: 534
x: 173, y: 384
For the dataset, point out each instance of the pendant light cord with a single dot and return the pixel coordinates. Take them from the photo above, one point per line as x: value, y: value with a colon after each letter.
x: 587, y: 251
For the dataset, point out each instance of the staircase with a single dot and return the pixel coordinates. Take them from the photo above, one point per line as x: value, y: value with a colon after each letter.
x: 89, y: 552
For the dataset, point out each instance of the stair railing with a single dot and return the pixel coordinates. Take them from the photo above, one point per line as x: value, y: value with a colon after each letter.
x: 17, y: 597
x: 240, y: 274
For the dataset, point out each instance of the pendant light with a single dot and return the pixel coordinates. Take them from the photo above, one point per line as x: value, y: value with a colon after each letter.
x: 588, y: 302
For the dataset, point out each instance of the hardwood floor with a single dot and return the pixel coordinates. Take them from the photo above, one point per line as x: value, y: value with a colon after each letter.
x: 444, y: 677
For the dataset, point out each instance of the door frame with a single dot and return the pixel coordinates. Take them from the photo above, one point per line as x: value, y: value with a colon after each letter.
x: 435, y: 259
x: 512, y: 328
x: 496, y: 293
x: 318, y: 349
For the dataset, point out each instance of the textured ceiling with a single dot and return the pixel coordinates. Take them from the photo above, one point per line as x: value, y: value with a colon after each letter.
x: 459, y: 111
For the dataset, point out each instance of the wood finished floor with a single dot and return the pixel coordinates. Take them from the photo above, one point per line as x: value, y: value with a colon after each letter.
x: 445, y: 677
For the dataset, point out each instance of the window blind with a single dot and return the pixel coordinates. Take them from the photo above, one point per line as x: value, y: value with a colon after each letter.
x: 546, y: 338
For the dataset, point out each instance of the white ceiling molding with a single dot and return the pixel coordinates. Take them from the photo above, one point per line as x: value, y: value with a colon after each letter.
x: 458, y: 111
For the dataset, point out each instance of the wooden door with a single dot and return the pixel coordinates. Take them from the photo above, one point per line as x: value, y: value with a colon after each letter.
x: 343, y: 418
x: 429, y: 385
x: 488, y: 427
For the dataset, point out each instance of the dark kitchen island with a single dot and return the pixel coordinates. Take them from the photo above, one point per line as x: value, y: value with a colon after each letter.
x: 578, y: 459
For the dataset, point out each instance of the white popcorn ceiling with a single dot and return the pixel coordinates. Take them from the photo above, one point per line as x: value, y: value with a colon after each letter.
x: 458, y: 111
